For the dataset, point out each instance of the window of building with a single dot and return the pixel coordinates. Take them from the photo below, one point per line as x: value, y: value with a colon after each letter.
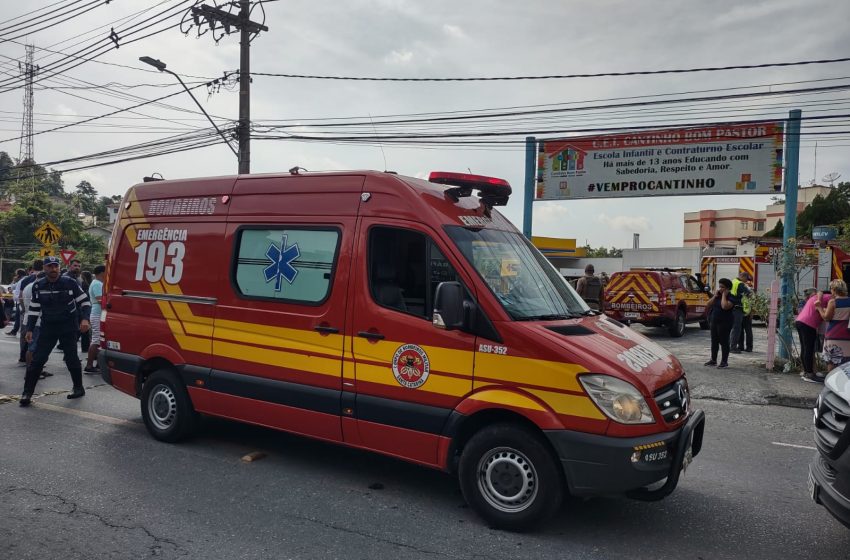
x: 405, y: 268
x: 745, y: 224
x: 758, y: 226
x: 712, y: 223
x: 287, y: 264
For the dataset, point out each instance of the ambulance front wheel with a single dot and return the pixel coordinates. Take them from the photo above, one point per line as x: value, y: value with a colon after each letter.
x: 166, y: 407
x: 510, y: 478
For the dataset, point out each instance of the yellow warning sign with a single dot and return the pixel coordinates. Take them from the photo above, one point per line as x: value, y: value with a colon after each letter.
x: 47, y: 252
x: 48, y: 233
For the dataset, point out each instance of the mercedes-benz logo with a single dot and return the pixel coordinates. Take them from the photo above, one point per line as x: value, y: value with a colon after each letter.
x: 684, y: 398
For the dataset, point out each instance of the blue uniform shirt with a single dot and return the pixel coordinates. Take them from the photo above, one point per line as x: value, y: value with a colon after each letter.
x: 58, y: 304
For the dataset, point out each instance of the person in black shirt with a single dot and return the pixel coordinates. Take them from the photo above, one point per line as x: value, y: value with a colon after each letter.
x: 722, y: 320
x: 55, y: 303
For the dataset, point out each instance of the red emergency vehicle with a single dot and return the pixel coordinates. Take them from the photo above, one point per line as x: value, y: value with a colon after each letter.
x: 392, y: 314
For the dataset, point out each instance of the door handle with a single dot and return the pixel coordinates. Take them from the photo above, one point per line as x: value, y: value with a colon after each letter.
x: 326, y: 330
x: 371, y: 335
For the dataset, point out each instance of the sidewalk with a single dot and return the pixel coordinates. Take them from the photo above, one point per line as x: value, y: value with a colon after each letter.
x: 746, y: 380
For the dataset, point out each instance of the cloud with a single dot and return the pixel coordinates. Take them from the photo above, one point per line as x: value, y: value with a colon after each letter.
x: 552, y: 219
x: 625, y: 223
x: 399, y: 58
x: 453, y: 31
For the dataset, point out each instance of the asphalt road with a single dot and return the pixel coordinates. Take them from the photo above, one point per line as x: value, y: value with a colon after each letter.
x: 82, y: 479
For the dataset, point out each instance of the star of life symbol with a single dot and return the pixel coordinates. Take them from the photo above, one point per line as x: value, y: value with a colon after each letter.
x: 281, y: 259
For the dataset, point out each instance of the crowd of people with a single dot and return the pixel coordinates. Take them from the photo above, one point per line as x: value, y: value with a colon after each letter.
x: 822, y: 325
x: 49, y: 306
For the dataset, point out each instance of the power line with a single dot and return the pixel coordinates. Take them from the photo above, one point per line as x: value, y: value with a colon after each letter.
x: 72, y: 2
x: 104, y: 115
x: 84, y: 9
x: 451, y: 118
x: 559, y: 76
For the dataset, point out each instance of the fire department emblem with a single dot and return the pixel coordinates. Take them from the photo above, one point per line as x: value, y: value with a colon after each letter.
x: 411, y: 366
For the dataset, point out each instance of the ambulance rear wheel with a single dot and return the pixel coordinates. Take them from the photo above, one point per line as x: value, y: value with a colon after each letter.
x: 677, y: 329
x: 510, y: 477
x: 166, y: 407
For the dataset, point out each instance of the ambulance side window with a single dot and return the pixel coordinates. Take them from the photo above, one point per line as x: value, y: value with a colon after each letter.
x: 286, y: 264
x: 405, y: 268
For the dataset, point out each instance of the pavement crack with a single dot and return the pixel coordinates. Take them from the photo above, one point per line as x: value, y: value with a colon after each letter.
x: 70, y: 508
x: 335, y: 527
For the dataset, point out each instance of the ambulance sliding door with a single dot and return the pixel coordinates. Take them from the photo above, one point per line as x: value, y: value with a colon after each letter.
x: 278, y: 341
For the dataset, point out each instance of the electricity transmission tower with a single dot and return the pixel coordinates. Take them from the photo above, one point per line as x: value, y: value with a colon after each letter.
x: 222, y: 22
x: 29, y: 71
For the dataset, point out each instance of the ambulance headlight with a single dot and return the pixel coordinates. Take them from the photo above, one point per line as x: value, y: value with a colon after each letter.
x: 618, y: 399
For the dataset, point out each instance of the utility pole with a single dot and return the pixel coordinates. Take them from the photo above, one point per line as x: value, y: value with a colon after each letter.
x: 244, y: 89
x: 224, y: 22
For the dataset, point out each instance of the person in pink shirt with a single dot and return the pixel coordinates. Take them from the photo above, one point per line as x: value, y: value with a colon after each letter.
x: 807, y: 323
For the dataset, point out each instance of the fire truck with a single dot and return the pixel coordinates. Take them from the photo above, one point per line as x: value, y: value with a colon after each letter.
x: 818, y: 265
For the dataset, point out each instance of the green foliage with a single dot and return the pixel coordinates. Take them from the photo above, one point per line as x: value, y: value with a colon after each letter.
x: 777, y: 230
x: 825, y: 210
x: 602, y: 252
x: 39, y: 197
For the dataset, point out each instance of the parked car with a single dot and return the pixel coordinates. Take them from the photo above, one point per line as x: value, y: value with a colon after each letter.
x: 829, y: 472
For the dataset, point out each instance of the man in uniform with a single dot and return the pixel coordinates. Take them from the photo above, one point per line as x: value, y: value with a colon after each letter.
x: 736, y: 295
x: 55, y: 303
x: 589, y: 287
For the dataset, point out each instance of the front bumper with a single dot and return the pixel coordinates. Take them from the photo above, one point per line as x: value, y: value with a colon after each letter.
x: 598, y: 465
x: 823, y: 491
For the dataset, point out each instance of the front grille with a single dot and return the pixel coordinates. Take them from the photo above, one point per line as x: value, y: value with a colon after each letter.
x: 673, y: 401
x: 831, y: 426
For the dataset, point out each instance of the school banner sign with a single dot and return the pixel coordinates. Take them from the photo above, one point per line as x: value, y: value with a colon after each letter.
x: 716, y: 159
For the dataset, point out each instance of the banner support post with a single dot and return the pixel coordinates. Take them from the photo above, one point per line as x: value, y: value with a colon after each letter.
x: 530, y: 181
x: 792, y: 165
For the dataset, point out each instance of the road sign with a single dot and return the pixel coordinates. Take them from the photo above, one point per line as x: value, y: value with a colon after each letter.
x: 67, y: 255
x: 48, y: 233
x: 47, y: 252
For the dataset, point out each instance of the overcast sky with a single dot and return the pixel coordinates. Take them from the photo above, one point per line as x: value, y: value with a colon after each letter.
x: 401, y: 38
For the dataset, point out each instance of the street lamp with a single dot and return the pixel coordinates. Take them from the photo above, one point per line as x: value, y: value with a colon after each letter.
x: 160, y: 65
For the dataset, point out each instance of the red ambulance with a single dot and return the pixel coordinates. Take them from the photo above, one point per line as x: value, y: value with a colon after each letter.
x: 388, y: 313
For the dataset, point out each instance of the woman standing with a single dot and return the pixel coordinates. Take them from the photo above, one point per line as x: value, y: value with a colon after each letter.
x: 807, y: 323
x: 836, y: 344
x: 722, y: 320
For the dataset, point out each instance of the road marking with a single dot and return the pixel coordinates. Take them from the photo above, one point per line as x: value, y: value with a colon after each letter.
x: 794, y: 445
x: 84, y: 414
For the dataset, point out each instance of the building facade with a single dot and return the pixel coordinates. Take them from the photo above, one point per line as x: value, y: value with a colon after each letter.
x: 733, y: 227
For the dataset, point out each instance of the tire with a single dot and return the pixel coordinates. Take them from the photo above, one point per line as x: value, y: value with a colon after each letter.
x: 677, y: 329
x: 510, y: 478
x: 704, y: 325
x: 166, y: 407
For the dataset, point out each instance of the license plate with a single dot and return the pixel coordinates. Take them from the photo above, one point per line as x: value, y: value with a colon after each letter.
x: 654, y: 456
x: 631, y: 315
x: 813, y: 488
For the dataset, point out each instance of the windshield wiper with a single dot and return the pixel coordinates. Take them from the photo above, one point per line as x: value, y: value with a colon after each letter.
x: 591, y: 313
x: 550, y: 317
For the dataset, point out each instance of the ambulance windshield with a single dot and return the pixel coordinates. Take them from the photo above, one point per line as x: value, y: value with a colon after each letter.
x: 524, y: 282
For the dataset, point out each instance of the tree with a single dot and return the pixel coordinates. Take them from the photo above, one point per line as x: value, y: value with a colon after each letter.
x: 823, y: 211
x: 84, y: 198
x: 602, y: 252
x: 777, y: 230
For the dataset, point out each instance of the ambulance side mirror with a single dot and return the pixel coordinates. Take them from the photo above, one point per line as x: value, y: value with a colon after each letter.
x: 448, y: 306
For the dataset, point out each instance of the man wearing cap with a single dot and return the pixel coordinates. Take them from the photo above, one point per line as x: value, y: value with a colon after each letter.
x: 55, y: 303
x: 736, y: 295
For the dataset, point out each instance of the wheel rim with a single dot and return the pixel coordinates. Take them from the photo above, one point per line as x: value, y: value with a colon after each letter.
x: 507, y: 480
x: 680, y: 323
x: 162, y: 407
